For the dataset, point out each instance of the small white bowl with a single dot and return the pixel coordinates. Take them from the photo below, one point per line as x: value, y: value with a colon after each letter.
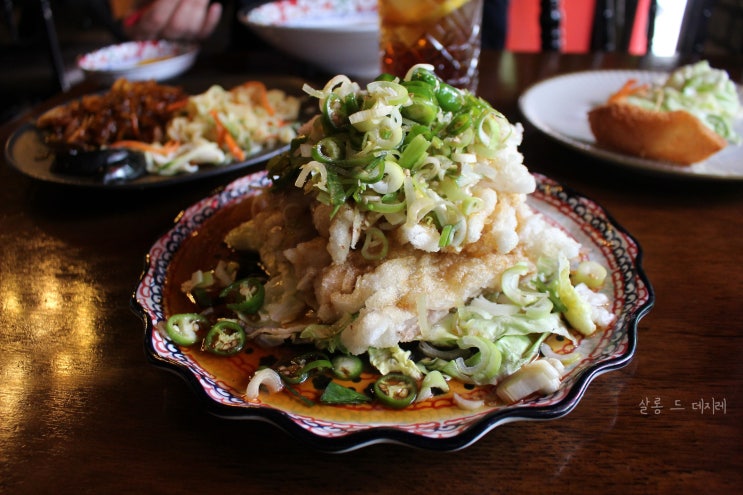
x: 139, y: 61
x: 339, y: 36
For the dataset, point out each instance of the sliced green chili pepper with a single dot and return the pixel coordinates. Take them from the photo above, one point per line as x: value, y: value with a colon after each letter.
x: 396, y: 390
x: 424, y: 106
x: 183, y: 328
x: 385, y: 76
x: 347, y: 367
x: 449, y: 97
x: 202, y: 297
x: 327, y: 150
x: 334, y: 112
x: 244, y: 296
x: 459, y: 124
x: 427, y: 77
x: 351, y: 104
x: 225, y: 338
x: 298, y: 368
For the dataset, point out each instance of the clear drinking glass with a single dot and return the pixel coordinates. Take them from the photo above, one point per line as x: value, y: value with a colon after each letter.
x: 443, y: 33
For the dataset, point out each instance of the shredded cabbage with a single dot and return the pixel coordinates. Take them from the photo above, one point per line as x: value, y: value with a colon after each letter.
x: 254, y: 117
x: 706, y: 93
x: 393, y: 359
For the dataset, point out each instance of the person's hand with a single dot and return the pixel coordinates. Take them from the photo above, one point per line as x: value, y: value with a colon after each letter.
x: 174, y: 20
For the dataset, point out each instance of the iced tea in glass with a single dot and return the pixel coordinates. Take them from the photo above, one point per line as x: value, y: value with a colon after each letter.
x: 443, y: 33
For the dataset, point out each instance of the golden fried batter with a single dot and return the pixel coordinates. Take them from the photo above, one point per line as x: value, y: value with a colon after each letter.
x: 676, y: 136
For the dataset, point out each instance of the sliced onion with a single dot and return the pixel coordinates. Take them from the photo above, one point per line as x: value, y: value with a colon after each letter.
x: 393, y: 179
x: 316, y: 93
x: 464, y: 157
x: 267, y: 378
x: 468, y: 404
x: 390, y: 92
x: 375, y: 244
x: 339, y: 80
x: 430, y: 350
x: 365, y: 120
x: 309, y: 168
x: 510, y: 285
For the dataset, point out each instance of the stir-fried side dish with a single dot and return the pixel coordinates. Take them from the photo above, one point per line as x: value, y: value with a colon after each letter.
x: 137, y: 111
x: 684, y: 120
x: 396, y: 240
x: 174, y: 132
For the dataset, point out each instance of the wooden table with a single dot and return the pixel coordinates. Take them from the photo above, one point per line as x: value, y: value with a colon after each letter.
x: 82, y: 410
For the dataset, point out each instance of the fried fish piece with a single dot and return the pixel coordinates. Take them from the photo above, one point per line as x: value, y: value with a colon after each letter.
x: 676, y: 136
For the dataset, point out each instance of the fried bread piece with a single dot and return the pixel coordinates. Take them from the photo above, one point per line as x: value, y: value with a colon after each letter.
x: 676, y: 136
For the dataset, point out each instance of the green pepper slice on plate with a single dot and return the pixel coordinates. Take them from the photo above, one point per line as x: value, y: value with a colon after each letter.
x: 347, y: 367
x: 297, y: 369
x: 244, y: 296
x: 395, y: 390
x: 225, y: 338
x: 184, y: 328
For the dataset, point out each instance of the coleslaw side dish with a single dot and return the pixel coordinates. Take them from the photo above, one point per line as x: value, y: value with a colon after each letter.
x: 707, y: 93
x: 395, y: 241
x: 222, y: 126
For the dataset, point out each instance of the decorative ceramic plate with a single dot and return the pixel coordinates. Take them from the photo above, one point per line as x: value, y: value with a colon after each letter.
x: 139, y: 61
x: 434, y: 424
x: 559, y: 108
x: 26, y: 151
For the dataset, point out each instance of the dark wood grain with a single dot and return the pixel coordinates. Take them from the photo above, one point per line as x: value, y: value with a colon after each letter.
x: 82, y: 410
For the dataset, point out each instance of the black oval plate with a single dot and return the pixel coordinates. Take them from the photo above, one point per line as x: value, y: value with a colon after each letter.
x: 26, y: 151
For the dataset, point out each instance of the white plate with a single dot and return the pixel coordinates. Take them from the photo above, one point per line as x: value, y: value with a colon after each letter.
x: 139, y: 61
x: 559, y: 106
x: 339, y: 36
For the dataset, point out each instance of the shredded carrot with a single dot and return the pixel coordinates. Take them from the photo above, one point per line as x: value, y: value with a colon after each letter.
x: 225, y: 138
x: 261, y: 96
x: 165, y: 149
x: 177, y: 105
x: 629, y: 88
x: 236, y: 151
